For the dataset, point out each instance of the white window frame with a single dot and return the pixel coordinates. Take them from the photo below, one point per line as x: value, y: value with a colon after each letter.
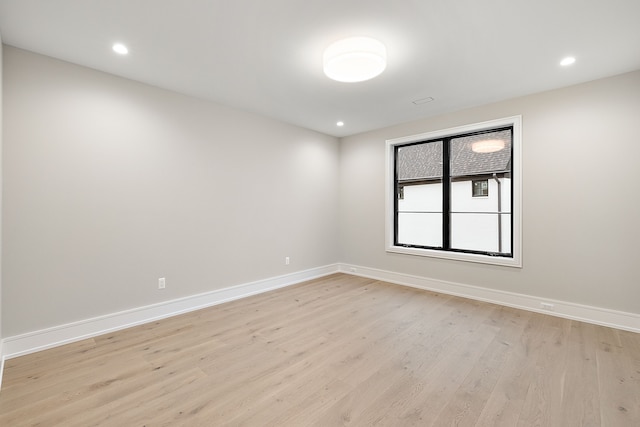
x: 516, y: 176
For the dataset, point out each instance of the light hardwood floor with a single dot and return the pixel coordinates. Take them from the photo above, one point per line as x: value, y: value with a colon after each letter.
x: 340, y: 350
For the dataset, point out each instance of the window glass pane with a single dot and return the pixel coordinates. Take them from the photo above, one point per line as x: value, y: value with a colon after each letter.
x: 420, y: 229
x: 420, y: 215
x: 506, y: 233
x: 419, y: 161
x: 419, y: 194
x: 482, y: 153
x: 481, y: 223
x: 479, y: 232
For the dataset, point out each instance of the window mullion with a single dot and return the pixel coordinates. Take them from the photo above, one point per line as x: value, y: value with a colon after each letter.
x: 446, y: 189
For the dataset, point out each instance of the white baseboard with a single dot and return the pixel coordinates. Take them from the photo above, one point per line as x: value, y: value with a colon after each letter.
x: 596, y: 315
x: 31, y: 342
x: 1, y: 361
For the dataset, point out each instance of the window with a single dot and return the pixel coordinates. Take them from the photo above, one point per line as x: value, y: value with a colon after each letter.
x: 480, y: 188
x: 430, y: 210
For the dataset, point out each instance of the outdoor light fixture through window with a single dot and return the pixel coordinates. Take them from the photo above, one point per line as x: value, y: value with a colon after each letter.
x: 355, y: 59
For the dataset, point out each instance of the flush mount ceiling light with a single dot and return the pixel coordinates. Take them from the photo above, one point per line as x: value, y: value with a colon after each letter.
x: 487, y: 146
x: 355, y: 59
x: 340, y: 124
x: 120, y: 48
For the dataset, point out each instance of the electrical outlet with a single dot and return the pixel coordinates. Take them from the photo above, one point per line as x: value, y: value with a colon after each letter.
x: 546, y: 306
x: 161, y: 283
x: 286, y: 260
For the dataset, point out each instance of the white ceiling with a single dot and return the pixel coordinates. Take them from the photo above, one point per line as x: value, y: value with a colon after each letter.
x: 265, y: 56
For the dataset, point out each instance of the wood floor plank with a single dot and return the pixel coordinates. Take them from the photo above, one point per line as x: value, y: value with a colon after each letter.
x: 373, y: 347
x: 437, y: 382
x: 504, y: 405
x: 471, y: 397
x: 619, y: 381
x: 336, y: 351
x: 544, y: 397
x: 54, y: 403
x: 271, y: 388
x: 407, y: 355
x: 580, y: 394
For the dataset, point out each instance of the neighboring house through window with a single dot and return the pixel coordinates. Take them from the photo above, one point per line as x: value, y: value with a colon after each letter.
x: 456, y: 193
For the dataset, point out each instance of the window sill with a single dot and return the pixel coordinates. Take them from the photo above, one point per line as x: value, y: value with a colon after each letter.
x: 458, y: 256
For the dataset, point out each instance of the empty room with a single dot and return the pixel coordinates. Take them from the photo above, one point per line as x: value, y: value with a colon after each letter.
x: 320, y: 213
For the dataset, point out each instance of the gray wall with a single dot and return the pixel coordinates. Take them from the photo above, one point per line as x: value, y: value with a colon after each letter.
x: 581, y: 200
x: 1, y: 174
x: 111, y: 184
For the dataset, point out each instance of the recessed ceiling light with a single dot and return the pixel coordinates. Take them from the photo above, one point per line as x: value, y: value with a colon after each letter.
x: 340, y: 124
x: 423, y: 100
x: 567, y: 61
x: 487, y: 146
x: 120, y: 48
x: 355, y: 59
